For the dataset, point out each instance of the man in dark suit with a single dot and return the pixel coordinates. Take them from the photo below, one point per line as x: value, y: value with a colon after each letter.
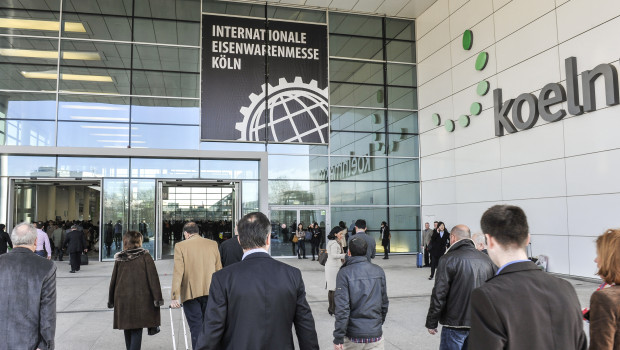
x: 231, y: 251
x: 386, y: 236
x: 253, y: 304
x: 28, y: 298
x: 440, y: 241
x: 360, y: 231
x: 75, y: 242
x: 521, y: 307
x: 4, y: 240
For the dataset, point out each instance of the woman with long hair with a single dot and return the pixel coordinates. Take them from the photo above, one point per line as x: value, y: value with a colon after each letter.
x: 335, y: 256
x: 604, y: 312
x: 135, y: 292
x: 301, y: 241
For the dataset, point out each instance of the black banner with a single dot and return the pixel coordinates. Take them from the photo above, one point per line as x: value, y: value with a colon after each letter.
x: 264, y: 80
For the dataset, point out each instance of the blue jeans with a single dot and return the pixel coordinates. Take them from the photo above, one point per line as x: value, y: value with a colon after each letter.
x: 41, y: 253
x: 453, y: 338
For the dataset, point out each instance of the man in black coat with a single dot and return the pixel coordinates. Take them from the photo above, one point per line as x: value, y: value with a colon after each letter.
x: 231, y: 251
x: 440, y: 241
x: 76, y: 244
x: 521, y: 307
x: 4, y: 240
x: 385, y: 236
x: 253, y: 304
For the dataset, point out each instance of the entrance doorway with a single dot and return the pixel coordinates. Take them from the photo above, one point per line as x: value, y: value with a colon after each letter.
x: 281, y: 244
x: 213, y: 205
x: 58, y: 202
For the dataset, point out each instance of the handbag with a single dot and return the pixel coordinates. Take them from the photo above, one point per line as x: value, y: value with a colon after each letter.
x: 308, y: 235
x: 322, y: 256
x: 295, y: 239
x: 84, y: 259
x: 153, y: 330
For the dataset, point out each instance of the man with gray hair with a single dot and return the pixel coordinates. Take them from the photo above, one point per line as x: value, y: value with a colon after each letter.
x: 480, y: 241
x: 460, y: 270
x: 28, y: 298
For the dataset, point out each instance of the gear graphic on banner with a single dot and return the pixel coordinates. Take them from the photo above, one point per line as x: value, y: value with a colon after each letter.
x: 297, y: 112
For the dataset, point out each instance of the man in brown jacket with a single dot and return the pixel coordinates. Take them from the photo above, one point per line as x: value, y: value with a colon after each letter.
x: 195, y: 260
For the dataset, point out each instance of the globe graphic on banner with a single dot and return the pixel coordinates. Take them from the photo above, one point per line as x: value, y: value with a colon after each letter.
x: 297, y: 112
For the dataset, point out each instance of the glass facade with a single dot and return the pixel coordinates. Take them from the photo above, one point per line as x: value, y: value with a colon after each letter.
x: 125, y: 74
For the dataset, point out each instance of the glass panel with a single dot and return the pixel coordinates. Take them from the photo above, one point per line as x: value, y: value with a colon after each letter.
x: 95, y: 54
x: 29, y: 77
x: 115, y: 216
x: 400, y: 51
x: 403, y: 122
x: 352, y: 193
x: 118, y: 7
x: 293, y: 14
x: 93, y: 108
x: 355, y: 72
x: 47, y: 23
x: 82, y: 134
x: 402, y: 98
x: 405, y: 193
x: 346, y: 143
x: 166, y: 58
x: 399, y: 29
x: 401, y: 74
x: 23, y: 105
x: 249, y: 196
x: 357, y: 119
x: 166, y: 32
x: 232, y: 146
x: 345, y: 46
x: 358, y: 168
x: 282, y: 226
x: 164, y: 136
x: 170, y: 9
x: 98, y: 26
x: 94, y: 80
x: 28, y: 51
x: 405, y: 218
x: 27, y: 133
x: 165, y: 111
x: 215, y: 6
x: 297, y: 192
x: 296, y: 167
x: 228, y: 169
x: 373, y: 217
x: 343, y: 23
x: 356, y: 95
x: 403, y: 242
x: 402, y: 169
x: 27, y: 166
x: 403, y: 145
x: 296, y: 149
x: 93, y: 167
x: 143, y: 212
x: 164, y: 168
x: 165, y: 84
x: 25, y: 209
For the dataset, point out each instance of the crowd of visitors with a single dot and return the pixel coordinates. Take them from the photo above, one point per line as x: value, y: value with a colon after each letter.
x: 481, y: 283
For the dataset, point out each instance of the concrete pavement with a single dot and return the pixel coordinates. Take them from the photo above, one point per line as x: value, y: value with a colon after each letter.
x: 84, y: 322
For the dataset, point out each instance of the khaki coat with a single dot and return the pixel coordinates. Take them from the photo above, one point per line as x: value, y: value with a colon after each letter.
x: 333, y: 263
x: 195, y: 260
x: 605, y: 319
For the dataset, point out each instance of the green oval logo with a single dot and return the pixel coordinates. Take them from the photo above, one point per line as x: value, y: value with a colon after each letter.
x: 436, y: 119
x: 449, y: 125
x: 482, y: 60
x: 483, y: 88
x: 475, y: 108
x: 464, y: 120
x: 468, y: 39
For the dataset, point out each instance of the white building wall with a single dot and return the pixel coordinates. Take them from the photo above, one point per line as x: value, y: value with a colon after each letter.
x: 565, y: 175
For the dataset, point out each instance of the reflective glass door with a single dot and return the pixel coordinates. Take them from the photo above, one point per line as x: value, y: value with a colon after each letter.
x: 284, y: 221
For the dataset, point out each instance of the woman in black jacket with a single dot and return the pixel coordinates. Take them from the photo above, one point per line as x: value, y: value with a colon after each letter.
x: 440, y: 241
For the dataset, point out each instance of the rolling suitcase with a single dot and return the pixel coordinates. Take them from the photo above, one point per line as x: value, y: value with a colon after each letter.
x: 174, y: 343
x: 420, y: 260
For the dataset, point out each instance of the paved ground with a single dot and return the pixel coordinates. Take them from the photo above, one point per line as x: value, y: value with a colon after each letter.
x: 84, y: 322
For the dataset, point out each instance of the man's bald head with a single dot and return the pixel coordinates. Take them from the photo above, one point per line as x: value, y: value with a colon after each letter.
x: 461, y: 232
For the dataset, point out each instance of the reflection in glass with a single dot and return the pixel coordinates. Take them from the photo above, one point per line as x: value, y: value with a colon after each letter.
x: 118, y: 7
x: 344, y: 23
x: 34, y: 23
x: 95, y: 54
x: 93, y: 108
x: 297, y: 167
x: 346, y: 143
x: 228, y: 169
x: 281, y: 244
x: 403, y: 241
x: 83, y: 134
x: 373, y: 216
x: 356, y: 95
x: 98, y: 26
x: 355, y: 72
x: 166, y: 58
x: 115, y: 216
x: 403, y: 169
x: 231, y: 8
x: 403, y: 122
x: 183, y: 10
x: 296, y: 149
x: 23, y: 105
x: 164, y: 136
x: 94, y: 80
x: 28, y: 50
x: 165, y: 84
x: 93, y: 167
x: 357, y: 119
x: 164, y: 168
x: 165, y: 111
x: 358, y: 193
x: 402, y: 193
x: 143, y: 212
x: 401, y: 51
x: 293, y: 14
x: 345, y: 46
x: 401, y: 74
x: 249, y: 196
x: 27, y: 166
x: 405, y: 218
x: 283, y: 192
x: 29, y: 77
x: 27, y: 133
x: 232, y: 146
x: 166, y: 32
x: 358, y: 168
x: 402, y: 29
x: 402, y: 98
x: 403, y: 145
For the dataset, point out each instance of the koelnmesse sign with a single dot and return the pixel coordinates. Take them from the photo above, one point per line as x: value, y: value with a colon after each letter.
x: 552, y: 94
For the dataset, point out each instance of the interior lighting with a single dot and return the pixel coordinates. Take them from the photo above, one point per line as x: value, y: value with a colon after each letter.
x: 51, y: 54
x: 100, y: 108
x: 34, y: 24
x: 98, y: 118
x: 78, y: 77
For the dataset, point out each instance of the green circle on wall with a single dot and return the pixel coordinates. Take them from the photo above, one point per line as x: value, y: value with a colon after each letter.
x: 468, y: 39
x: 449, y: 125
x: 436, y: 119
x: 464, y: 120
x: 482, y: 60
x: 483, y: 88
x: 475, y: 108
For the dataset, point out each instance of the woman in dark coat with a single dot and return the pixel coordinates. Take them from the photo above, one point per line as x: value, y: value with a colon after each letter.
x: 440, y: 241
x: 135, y: 292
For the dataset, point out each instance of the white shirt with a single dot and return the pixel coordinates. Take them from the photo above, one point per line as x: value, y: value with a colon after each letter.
x: 252, y: 251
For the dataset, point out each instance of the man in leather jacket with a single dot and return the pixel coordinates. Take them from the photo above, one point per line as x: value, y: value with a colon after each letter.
x: 361, y: 301
x: 462, y: 269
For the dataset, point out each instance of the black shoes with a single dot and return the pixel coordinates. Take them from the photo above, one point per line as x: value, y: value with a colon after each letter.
x: 385, y: 257
x: 72, y: 271
x: 299, y: 257
x: 430, y: 278
x: 313, y: 259
x: 305, y: 257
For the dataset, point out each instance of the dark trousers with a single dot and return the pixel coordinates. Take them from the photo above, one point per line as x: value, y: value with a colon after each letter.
x: 434, y: 263
x: 108, y: 247
x: 74, y: 259
x: 453, y: 338
x: 195, y: 312
x: 294, y: 248
x: 331, y: 308
x: 59, y: 253
x: 315, y: 249
x: 301, y: 248
x: 133, y: 339
x: 427, y: 256
x: 386, y: 249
